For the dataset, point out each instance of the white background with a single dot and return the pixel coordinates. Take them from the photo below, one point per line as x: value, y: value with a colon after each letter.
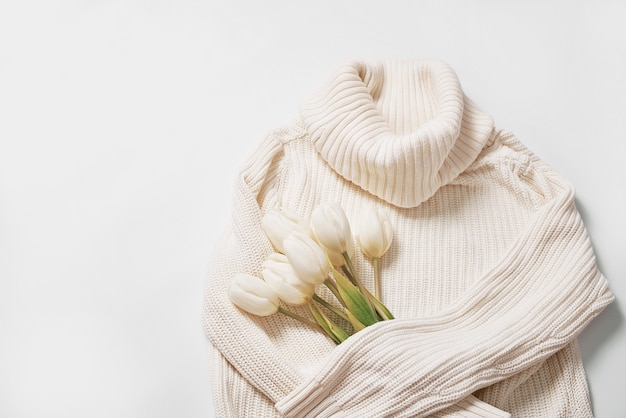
x: 123, y: 123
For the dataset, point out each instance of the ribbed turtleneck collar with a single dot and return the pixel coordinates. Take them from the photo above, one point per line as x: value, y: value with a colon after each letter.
x: 400, y: 130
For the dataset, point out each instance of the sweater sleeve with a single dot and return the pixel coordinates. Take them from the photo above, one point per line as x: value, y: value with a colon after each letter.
x: 540, y: 296
x: 241, y: 339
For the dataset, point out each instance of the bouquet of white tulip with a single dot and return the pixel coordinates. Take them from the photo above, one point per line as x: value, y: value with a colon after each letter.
x: 315, y: 254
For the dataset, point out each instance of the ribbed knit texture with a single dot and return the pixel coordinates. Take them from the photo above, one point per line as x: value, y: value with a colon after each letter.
x: 491, y: 275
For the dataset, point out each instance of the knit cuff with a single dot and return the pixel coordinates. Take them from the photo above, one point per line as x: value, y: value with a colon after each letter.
x: 472, y: 407
x: 310, y: 399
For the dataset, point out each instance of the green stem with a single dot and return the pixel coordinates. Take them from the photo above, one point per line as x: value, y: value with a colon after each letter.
x: 300, y: 318
x: 351, y: 268
x: 330, y: 307
x: 381, y: 309
x: 331, y: 329
x: 356, y: 279
x: 376, y: 278
x: 333, y: 288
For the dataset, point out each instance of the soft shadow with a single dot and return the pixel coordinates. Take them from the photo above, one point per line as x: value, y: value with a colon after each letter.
x: 599, y: 332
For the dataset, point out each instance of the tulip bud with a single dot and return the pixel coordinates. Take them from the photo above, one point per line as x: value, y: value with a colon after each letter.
x: 282, y: 278
x: 375, y: 232
x: 253, y: 295
x: 307, y: 258
x: 332, y: 229
x: 337, y: 259
x: 278, y: 224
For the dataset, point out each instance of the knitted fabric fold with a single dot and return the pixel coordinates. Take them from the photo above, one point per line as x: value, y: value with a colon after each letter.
x: 405, y: 138
x: 491, y: 275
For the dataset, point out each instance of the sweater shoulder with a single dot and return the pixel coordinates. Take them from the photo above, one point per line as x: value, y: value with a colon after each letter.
x: 509, y: 163
x: 261, y: 173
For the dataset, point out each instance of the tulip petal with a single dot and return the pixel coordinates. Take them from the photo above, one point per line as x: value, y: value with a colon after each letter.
x: 375, y: 232
x: 279, y: 224
x: 253, y: 295
x: 307, y: 258
x: 331, y: 227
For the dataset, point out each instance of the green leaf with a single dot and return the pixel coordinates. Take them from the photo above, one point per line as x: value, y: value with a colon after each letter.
x: 356, y: 302
x: 356, y: 324
x: 334, y: 331
x: 382, y: 310
x: 322, y: 323
x: 339, y: 332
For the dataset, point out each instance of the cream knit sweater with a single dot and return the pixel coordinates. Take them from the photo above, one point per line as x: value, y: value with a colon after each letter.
x: 491, y: 275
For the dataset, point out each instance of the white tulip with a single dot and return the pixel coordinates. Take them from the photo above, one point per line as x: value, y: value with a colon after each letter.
x: 337, y: 259
x: 307, y: 258
x: 282, y: 278
x: 253, y: 295
x: 332, y: 229
x: 278, y: 224
x: 375, y: 232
